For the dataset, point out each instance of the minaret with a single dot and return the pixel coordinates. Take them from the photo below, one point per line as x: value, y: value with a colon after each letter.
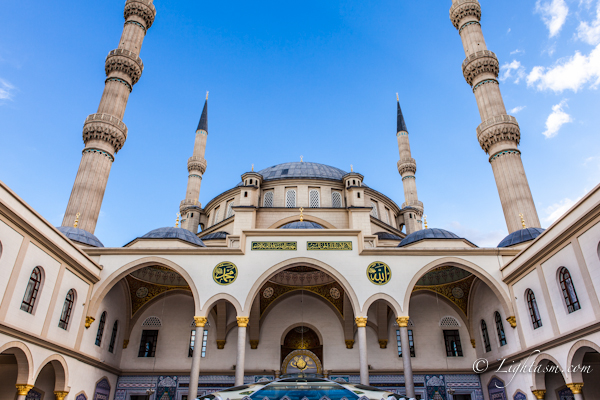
x: 190, y: 207
x: 499, y: 133
x: 407, y: 167
x: 104, y: 133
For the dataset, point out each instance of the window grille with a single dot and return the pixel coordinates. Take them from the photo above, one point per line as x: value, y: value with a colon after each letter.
x: 313, y: 196
x: 32, y: 290
x: 411, y: 343
x: 486, y: 337
x: 386, y: 216
x: 566, y: 284
x: 152, y: 321
x: 336, y: 199
x: 216, y: 218
x: 374, y: 212
x: 268, y: 201
x: 453, y: 347
x: 113, y: 337
x: 449, y: 322
x: 534, y: 312
x: 65, y: 315
x: 230, y: 211
x: 100, y: 332
x: 500, y: 329
x: 148, y: 343
x: 290, y: 198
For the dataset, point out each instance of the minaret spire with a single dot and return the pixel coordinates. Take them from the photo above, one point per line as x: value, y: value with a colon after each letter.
x: 407, y: 167
x: 190, y: 207
x: 104, y: 133
x: 499, y: 133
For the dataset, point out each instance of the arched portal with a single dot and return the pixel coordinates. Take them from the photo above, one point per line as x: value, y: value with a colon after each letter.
x: 582, y: 362
x: 301, y: 350
x: 52, y: 376
x: 17, y: 364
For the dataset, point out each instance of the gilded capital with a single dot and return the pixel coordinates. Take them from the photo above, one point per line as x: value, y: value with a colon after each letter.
x: 361, y: 322
x: 89, y: 321
x: 539, y: 394
x: 349, y: 344
x: 383, y: 343
x: 23, y: 389
x: 575, y: 387
x: 254, y: 344
x: 512, y: 320
x: 473, y: 343
x: 402, y: 321
x: 221, y: 344
x: 125, y: 343
x: 200, y: 321
x: 242, y: 321
x: 60, y: 395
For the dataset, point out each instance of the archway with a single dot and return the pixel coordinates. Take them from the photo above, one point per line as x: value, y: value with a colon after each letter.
x: 301, y: 350
x: 51, y: 377
x: 584, y: 367
x: 17, y: 364
x: 547, y: 376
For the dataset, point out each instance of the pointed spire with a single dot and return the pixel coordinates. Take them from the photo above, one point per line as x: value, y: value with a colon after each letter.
x: 203, y: 124
x: 401, y: 123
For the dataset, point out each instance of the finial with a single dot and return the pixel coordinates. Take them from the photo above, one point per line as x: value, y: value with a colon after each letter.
x: 301, y: 158
x: 207, y: 95
x: 351, y: 168
x: 425, y: 220
x: 301, y: 214
x: 397, y: 97
x: 177, y: 220
x: 252, y: 167
x: 523, y: 221
x: 76, y: 220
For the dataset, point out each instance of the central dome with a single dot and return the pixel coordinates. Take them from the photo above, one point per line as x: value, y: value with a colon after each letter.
x: 302, y: 170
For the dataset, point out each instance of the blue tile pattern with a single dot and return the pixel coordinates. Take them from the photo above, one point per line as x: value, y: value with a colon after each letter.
x: 520, y: 236
x: 174, y: 233
x: 81, y: 236
x: 433, y: 233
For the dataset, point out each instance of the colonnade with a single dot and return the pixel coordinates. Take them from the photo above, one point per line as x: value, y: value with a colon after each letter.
x: 23, y: 390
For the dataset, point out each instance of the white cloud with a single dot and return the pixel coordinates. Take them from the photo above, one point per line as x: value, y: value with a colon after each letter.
x: 508, y: 68
x: 6, y: 90
x: 481, y: 239
x: 517, y: 51
x: 569, y: 73
x: 556, y: 120
x: 556, y: 210
x: 554, y: 14
x: 590, y: 32
x: 517, y: 109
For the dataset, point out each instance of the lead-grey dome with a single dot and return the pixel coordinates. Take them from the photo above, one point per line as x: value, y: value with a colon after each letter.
x: 521, y: 236
x: 302, y: 225
x: 302, y: 170
x: 81, y: 236
x: 433, y: 233
x: 215, y: 235
x: 174, y: 233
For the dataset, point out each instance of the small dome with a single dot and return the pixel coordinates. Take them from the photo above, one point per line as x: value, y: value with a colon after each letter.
x: 387, y: 236
x: 215, y: 235
x: 433, y: 233
x: 80, y: 236
x: 174, y: 233
x: 521, y: 236
x: 302, y: 225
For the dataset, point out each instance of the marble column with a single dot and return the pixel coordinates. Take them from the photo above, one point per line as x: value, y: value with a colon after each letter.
x: 22, y: 390
x: 361, y: 323
x: 577, y: 390
x: 241, y: 350
x: 196, y: 357
x: 408, y: 375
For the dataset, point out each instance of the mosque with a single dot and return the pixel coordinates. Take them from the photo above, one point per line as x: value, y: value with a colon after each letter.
x: 299, y: 268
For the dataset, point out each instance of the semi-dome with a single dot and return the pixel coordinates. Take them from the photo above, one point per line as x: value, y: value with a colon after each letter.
x: 174, y: 233
x: 302, y: 225
x: 521, y: 236
x: 433, y: 233
x: 80, y: 236
x: 294, y: 170
x: 215, y: 235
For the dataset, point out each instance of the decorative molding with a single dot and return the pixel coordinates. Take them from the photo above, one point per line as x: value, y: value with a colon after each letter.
x: 136, y: 24
x: 349, y: 344
x: 402, y: 321
x: 89, y: 321
x: 242, y: 321
x: 462, y: 9
x: 498, y: 129
x: 107, y: 128
x: 479, y: 63
x: 409, y: 165
x: 361, y: 322
x: 254, y: 344
x: 409, y: 177
x: 221, y: 344
x: 124, y: 61
x: 576, y: 388
x: 200, y: 321
x: 60, y: 395
x: 539, y: 394
x: 196, y: 163
x: 467, y: 24
x: 512, y: 320
x: 486, y: 81
x: 142, y: 8
x: 102, y: 152
x: 383, y: 343
x: 22, y: 390
x: 121, y: 81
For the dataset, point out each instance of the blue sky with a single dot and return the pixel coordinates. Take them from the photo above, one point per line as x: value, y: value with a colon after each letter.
x: 316, y: 78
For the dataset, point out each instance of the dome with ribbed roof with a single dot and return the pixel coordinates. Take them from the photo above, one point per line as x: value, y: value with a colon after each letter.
x: 294, y: 170
x: 174, y: 233
x: 433, y: 233
x: 80, y: 236
x: 521, y: 236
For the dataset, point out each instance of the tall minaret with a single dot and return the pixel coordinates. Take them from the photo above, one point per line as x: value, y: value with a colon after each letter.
x: 104, y: 133
x: 190, y: 207
x: 499, y: 133
x: 407, y: 167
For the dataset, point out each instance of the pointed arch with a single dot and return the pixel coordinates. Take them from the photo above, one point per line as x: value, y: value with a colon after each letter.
x: 24, y: 361
x: 61, y: 372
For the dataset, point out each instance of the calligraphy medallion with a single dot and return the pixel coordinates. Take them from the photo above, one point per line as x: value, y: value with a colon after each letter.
x: 379, y: 273
x: 225, y: 273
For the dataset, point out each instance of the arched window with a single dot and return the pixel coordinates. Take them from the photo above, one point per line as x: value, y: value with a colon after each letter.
x: 32, y: 291
x: 230, y: 211
x: 216, y: 216
x: 534, y: 312
x: 290, y: 198
x: 374, y: 212
x: 313, y: 198
x: 500, y: 329
x: 566, y: 284
x: 268, y: 201
x: 113, y: 337
x: 101, y: 329
x: 65, y: 315
x: 336, y: 199
x: 486, y: 337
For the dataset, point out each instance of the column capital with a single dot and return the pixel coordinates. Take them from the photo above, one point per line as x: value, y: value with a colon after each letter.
x: 402, y: 321
x: 349, y: 344
x: 200, y: 321
x: 539, y: 394
x: 512, y: 320
x: 473, y: 343
x: 242, y: 321
x: 361, y: 322
x: 89, y: 321
x: 60, y: 395
x: 575, y: 387
x: 23, y: 389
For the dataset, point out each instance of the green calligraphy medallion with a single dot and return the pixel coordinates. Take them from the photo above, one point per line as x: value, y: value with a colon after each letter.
x: 225, y: 273
x: 379, y: 273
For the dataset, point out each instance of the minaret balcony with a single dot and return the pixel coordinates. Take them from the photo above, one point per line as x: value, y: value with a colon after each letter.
x: 479, y: 63
x: 462, y: 9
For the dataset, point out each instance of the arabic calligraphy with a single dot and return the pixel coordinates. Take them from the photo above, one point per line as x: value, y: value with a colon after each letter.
x: 328, y: 245
x: 274, y: 246
x: 302, y: 363
x: 379, y: 273
x: 225, y: 273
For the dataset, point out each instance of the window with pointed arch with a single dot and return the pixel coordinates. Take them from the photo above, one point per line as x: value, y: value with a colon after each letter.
x: 534, y: 312
x: 486, y: 337
x: 100, y: 332
x: 500, y: 329
x: 65, y: 315
x: 569, y: 293
x: 33, y: 289
x: 113, y: 337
